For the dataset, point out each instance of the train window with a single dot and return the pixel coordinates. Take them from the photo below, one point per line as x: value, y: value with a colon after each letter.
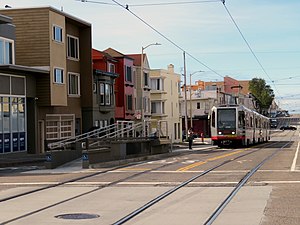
x: 213, y: 119
x: 242, y: 119
x: 226, y: 118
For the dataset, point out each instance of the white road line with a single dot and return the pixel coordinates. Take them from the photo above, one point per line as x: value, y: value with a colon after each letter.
x: 293, y: 167
x: 33, y: 183
x: 277, y: 182
x: 172, y: 183
x: 200, y: 171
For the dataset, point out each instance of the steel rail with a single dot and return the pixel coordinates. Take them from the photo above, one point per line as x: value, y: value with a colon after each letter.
x: 167, y: 193
x: 99, y: 188
x: 241, y: 183
x: 78, y: 179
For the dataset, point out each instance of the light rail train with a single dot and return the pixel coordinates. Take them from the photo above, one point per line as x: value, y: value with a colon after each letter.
x: 238, y: 125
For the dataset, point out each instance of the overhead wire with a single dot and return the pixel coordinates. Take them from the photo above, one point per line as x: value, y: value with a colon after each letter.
x: 247, y: 43
x: 153, y: 4
x: 127, y: 7
x: 172, y: 3
x: 165, y: 37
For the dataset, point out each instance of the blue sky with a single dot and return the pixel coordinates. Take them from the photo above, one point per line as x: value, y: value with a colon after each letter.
x: 206, y: 32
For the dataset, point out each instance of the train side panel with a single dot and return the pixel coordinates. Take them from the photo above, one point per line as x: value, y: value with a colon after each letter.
x: 238, y: 125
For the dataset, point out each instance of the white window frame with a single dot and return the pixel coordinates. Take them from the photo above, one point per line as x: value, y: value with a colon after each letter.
x: 102, y: 93
x: 111, y: 67
x: 159, y: 107
x: 55, y: 75
x: 60, y: 126
x: 55, y: 28
x: 157, y: 84
x: 107, y: 94
x: 6, y: 59
x: 95, y: 87
x: 69, y: 50
x: 77, y: 75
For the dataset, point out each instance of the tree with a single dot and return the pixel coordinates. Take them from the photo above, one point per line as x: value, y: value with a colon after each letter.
x: 263, y: 94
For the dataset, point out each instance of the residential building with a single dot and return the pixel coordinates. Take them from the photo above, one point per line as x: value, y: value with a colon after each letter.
x: 165, y: 104
x: 54, y: 40
x: 202, y: 96
x: 104, y: 75
x: 18, y: 96
x: 142, y: 85
x: 124, y: 86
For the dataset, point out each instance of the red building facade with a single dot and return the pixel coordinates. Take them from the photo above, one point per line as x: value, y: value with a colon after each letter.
x: 124, y: 86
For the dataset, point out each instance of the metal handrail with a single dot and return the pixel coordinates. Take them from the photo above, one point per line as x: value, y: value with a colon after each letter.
x: 111, y: 131
x: 63, y: 143
x: 120, y: 133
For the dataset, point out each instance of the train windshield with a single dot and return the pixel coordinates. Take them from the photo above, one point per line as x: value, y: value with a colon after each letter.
x: 226, y: 118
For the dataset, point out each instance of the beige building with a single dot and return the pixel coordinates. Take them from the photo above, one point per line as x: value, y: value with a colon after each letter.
x: 165, y: 103
x: 142, y: 86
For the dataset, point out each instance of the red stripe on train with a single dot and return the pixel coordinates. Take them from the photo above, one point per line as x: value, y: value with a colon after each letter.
x: 227, y: 137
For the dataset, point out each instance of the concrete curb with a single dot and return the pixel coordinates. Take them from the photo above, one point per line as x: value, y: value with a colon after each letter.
x: 175, y: 152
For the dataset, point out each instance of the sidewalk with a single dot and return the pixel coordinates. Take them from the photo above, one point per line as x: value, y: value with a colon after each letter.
x: 20, y: 159
x: 23, y: 159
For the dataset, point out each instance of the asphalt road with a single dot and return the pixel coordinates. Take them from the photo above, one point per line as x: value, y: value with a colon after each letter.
x: 271, y: 196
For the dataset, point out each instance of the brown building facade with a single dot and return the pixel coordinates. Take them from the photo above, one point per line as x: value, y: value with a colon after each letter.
x: 61, y: 44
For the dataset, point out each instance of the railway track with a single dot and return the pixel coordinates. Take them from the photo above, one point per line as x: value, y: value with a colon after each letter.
x: 218, y: 211
x: 131, y: 215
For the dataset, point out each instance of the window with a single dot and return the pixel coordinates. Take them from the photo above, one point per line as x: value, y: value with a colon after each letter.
x: 57, y: 34
x: 129, y: 102
x: 74, y: 83
x: 101, y: 88
x: 157, y: 107
x: 226, y: 118
x: 105, y: 93
x: 6, y: 51
x: 157, y: 84
x: 198, y: 105
x: 128, y: 74
x: 73, y: 47
x: 213, y: 119
x: 146, y: 79
x: 111, y: 68
x: 60, y: 126
x: 94, y: 87
x: 241, y: 119
x: 58, y: 76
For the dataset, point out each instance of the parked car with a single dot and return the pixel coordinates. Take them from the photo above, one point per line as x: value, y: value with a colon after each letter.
x: 288, y: 128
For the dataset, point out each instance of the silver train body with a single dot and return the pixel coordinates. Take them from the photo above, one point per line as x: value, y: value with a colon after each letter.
x: 238, y: 125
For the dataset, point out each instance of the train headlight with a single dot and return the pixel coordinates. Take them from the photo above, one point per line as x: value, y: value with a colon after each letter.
x: 233, y: 132
x: 220, y: 132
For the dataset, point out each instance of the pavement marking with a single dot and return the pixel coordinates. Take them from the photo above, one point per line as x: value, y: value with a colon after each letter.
x: 277, y: 182
x: 209, y: 160
x: 173, y: 183
x: 28, y: 183
x: 134, y: 169
x: 293, y: 167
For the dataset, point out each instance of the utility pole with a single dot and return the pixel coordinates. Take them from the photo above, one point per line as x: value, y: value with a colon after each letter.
x: 185, y: 102
x: 143, y: 101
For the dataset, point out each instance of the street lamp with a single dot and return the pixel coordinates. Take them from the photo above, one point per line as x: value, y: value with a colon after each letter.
x: 143, y: 84
x: 191, y: 112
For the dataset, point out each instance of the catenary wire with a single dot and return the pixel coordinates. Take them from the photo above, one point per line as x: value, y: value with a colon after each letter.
x: 176, y: 45
x: 153, y: 4
x: 247, y: 43
x: 165, y: 37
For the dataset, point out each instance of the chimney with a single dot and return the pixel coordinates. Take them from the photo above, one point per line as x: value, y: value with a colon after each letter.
x: 171, y: 68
